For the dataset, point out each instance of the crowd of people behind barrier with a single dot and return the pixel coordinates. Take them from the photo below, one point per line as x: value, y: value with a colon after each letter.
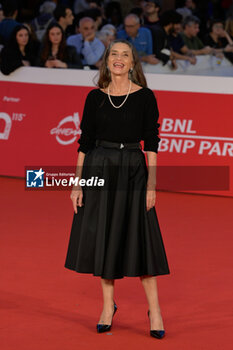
x: 74, y: 34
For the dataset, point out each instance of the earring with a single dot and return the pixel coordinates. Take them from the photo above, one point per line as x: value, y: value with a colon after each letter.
x: 131, y: 70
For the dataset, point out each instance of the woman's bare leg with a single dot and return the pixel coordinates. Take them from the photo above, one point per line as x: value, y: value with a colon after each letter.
x: 108, y: 301
x: 150, y: 285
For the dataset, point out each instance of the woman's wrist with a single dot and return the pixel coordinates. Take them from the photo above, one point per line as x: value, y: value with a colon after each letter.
x: 151, y: 186
x: 76, y: 187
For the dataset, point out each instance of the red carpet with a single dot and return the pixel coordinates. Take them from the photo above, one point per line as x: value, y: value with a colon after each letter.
x: 45, y: 306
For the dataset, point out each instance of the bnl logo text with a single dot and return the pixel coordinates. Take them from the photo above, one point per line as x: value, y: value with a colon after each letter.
x: 35, y: 178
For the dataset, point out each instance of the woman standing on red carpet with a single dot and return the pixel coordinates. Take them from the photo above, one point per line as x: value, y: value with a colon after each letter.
x: 115, y: 231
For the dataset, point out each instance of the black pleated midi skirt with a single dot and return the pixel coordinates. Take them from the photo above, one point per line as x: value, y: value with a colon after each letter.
x: 112, y: 234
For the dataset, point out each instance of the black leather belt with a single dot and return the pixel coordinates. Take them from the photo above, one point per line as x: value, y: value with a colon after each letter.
x: 118, y: 144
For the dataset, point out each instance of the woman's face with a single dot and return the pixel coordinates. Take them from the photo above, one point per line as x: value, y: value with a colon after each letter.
x: 120, y: 59
x: 217, y: 29
x: 55, y: 35
x: 22, y: 37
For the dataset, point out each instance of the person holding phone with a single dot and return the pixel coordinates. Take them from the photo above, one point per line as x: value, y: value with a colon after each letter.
x: 55, y: 53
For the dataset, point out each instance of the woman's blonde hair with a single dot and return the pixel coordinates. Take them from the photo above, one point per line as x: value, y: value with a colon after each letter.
x: 136, y: 75
x: 229, y: 26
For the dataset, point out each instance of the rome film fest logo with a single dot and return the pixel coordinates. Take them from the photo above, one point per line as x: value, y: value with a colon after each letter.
x: 67, y: 130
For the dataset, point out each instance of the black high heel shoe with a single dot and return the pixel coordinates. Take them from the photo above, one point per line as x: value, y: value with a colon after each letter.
x: 155, y: 332
x: 105, y: 327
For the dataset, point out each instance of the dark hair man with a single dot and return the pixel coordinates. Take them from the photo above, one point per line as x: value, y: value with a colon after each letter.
x: 64, y: 16
x: 10, y: 11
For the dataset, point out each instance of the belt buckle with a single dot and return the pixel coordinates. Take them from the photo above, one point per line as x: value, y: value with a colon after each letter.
x: 122, y: 145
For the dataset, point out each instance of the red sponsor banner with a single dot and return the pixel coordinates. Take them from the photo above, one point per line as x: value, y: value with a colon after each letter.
x: 197, y: 132
x: 39, y: 125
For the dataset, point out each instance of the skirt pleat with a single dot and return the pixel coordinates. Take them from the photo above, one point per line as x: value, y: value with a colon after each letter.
x: 112, y: 234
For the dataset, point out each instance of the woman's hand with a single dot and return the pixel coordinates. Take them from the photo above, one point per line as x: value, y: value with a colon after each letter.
x: 77, y: 198
x: 228, y: 48
x: 219, y: 55
x: 59, y: 64
x: 192, y: 59
x: 173, y: 64
x: 207, y: 50
x: 224, y: 34
x: 49, y: 63
x: 26, y: 63
x: 150, y: 199
x: 152, y: 59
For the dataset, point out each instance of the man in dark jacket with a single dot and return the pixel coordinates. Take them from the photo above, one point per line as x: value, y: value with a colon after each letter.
x: 8, y: 24
x: 160, y: 34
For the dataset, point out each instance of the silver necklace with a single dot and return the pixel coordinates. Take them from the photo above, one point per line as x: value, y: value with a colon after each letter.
x: 124, y: 99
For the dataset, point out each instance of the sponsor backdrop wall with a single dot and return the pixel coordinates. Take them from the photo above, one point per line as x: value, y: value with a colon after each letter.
x: 41, y: 110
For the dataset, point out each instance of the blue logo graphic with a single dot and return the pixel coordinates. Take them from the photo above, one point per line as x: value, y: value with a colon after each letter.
x: 35, y: 178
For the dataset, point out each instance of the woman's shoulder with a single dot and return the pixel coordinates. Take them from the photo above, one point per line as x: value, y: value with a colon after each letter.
x: 70, y: 48
x: 93, y: 92
x: 93, y: 95
x: 10, y: 53
x: 7, y: 49
x: 150, y: 93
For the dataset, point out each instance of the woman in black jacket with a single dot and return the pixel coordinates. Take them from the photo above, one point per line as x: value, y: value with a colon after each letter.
x: 56, y: 53
x: 220, y: 40
x: 18, y: 52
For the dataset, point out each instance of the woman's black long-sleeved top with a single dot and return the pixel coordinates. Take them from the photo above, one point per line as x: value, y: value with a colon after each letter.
x: 136, y: 120
x: 71, y: 58
x: 11, y: 59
